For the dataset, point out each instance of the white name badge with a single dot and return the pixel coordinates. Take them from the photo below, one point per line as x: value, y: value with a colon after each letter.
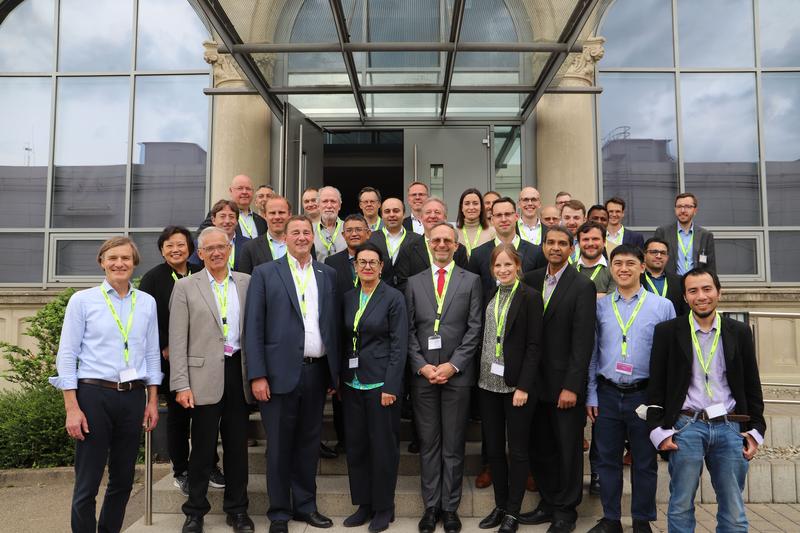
x: 718, y: 409
x: 227, y: 350
x: 435, y: 342
x: 624, y: 368
x: 703, y: 258
x: 129, y: 374
x: 498, y: 369
x: 352, y: 362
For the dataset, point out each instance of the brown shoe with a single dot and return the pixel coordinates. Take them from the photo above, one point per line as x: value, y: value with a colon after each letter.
x: 484, y: 479
x: 627, y: 459
x: 585, y: 445
x: 531, y: 485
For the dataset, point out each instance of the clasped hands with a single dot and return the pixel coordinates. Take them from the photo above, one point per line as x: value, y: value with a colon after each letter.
x: 437, y: 375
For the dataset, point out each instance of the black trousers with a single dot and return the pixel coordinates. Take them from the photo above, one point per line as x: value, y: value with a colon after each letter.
x: 510, y: 476
x: 178, y: 434
x: 556, y: 455
x: 115, y: 430
x: 228, y: 417
x: 373, y: 454
x: 293, y: 424
x: 338, y: 419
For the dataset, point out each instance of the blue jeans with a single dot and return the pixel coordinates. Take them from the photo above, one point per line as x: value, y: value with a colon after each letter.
x: 719, y: 445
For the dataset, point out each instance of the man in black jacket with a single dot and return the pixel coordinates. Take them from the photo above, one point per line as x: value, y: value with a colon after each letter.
x: 272, y: 245
x: 392, y: 238
x: 705, y: 403
x: 657, y: 280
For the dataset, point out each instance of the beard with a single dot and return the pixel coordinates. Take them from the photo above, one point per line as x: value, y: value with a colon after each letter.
x: 328, y: 218
x: 705, y: 314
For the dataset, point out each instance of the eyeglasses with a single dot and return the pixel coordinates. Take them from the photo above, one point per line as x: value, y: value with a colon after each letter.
x: 438, y: 241
x: 369, y: 202
x: 216, y: 248
x: 348, y: 231
x: 528, y: 200
x: 372, y: 263
x: 689, y: 206
x: 657, y: 252
x: 242, y: 188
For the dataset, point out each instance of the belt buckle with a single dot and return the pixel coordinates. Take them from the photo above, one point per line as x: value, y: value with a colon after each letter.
x: 121, y: 388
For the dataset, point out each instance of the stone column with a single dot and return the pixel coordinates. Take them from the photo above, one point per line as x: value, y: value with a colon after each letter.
x: 240, y: 133
x: 565, y: 133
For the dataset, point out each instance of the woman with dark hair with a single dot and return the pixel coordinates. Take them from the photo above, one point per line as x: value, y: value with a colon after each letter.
x: 473, y: 229
x: 376, y: 345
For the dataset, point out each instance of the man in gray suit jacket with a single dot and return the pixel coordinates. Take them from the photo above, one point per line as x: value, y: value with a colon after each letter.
x: 445, y: 311
x: 692, y: 246
x: 209, y: 374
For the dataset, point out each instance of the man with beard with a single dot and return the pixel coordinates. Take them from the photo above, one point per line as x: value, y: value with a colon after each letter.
x: 573, y: 214
x: 591, y: 263
x: 328, y: 238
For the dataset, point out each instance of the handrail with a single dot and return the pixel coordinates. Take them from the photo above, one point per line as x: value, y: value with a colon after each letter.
x: 148, y: 478
x: 775, y: 314
x: 780, y: 384
x: 787, y: 402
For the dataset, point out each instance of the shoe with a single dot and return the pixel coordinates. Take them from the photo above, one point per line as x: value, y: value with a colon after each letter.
x: 604, y: 525
x: 509, y: 524
x: 413, y: 447
x: 181, y: 481
x: 537, y: 516
x: 252, y: 443
x: 278, y: 526
x: 530, y: 486
x: 217, y: 479
x: 484, y: 479
x: 327, y: 453
x: 240, y: 522
x: 493, y: 519
x: 594, y: 485
x: 315, y: 519
x: 193, y: 524
x: 586, y: 445
x: 627, y: 459
x: 359, y: 518
x: 339, y: 448
x: 451, y: 522
x: 427, y: 523
x: 381, y: 520
x: 641, y: 526
x: 561, y: 526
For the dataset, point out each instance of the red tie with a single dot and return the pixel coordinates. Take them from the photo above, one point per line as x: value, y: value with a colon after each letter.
x: 440, y: 281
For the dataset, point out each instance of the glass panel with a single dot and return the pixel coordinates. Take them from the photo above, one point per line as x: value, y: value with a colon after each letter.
x: 321, y: 105
x: 78, y: 258
x: 720, y: 147
x: 488, y: 21
x: 428, y: 77
x: 169, y: 151
x: 779, y: 22
x: 784, y: 255
x: 638, y: 34
x: 507, y: 161
x: 149, y: 254
x: 484, y: 104
x: 98, y: 41
x: 437, y: 180
x: 736, y: 256
x: 638, y: 139
x: 26, y: 37
x: 403, y: 104
x: 23, y: 254
x: 171, y: 36
x: 781, y: 115
x: 314, y: 22
x: 325, y: 68
x: 24, y: 151
x: 405, y: 61
x: 715, y: 33
x: 91, y: 152
x: 403, y: 21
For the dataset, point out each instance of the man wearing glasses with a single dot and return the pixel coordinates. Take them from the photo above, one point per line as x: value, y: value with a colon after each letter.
x: 529, y: 227
x: 657, y: 280
x: 251, y: 225
x: 369, y: 201
x: 693, y: 245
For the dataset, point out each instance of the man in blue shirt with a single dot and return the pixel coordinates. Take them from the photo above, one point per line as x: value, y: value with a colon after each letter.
x: 107, y: 356
x: 618, y: 377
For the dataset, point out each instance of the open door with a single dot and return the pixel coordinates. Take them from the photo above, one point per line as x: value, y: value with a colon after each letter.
x: 301, y: 156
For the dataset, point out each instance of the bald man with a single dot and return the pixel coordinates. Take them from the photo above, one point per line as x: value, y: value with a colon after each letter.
x: 529, y: 227
x: 550, y: 216
x: 251, y: 225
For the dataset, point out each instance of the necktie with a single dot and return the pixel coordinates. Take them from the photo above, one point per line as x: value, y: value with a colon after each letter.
x: 440, y: 281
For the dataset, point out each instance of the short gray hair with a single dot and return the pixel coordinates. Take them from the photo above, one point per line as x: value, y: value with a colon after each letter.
x: 208, y: 231
x: 437, y: 200
x: 329, y: 188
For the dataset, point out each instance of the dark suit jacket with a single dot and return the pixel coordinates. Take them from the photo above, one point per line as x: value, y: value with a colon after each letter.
x: 531, y: 255
x: 340, y: 262
x: 274, y: 325
x: 671, y: 362
x: 261, y: 225
x: 633, y: 238
x: 382, y: 340
x: 254, y: 253
x: 522, y: 343
x: 408, y: 224
x: 674, y: 293
x: 567, y: 341
x: 414, y: 258
x: 703, y: 243
x: 388, y: 274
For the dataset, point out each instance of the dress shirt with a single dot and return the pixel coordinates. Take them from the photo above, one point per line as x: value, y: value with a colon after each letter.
x: 393, y: 242
x: 435, y: 269
x: 616, y: 238
x: 234, y: 338
x: 247, y: 225
x: 323, y: 237
x: 416, y: 224
x: 658, y: 282
x: 608, y: 338
x: 685, y: 236
x: 550, y: 281
x: 377, y: 226
x: 278, y: 248
x: 313, y: 346
x: 91, y: 345
x: 532, y: 234
x: 514, y: 241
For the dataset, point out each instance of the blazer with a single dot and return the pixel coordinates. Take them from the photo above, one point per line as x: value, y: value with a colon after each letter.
x: 158, y: 283
x: 522, y: 342
x: 408, y: 224
x: 567, y: 340
x: 389, y: 274
x: 531, y: 255
x: 382, y: 341
x: 674, y: 292
x: 276, y: 333
x: 345, y: 273
x: 703, y: 243
x: 238, y: 244
x: 414, y: 258
x: 634, y: 238
x: 261, y: 225
x: 253, y: 253
x: 196, y: 341
x: 460, y: 326
x: 671, y: 362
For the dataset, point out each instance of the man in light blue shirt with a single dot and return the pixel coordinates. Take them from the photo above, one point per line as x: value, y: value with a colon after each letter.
x: 618, y: 377
x: 108, y: 355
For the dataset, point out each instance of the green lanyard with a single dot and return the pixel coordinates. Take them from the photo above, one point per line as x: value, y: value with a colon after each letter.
x: 514, y: 242
x: 594, y: 274
x: 620, y: 236
x: 124, y: 331
x: 440, y: 300
x: 222, y: 300
x: 389, y: 248
x: 232, y: 257
x: 686, y: 254
x: 705, y: 364
x: 271, y: 247
x: 246, y: 226
x: 627, y: 326
x: 176, y: 278
x: 355, y: 275
x: 376, y: 225
x: 474, y: 243
x: 363, y: 302
x: 653, y: 286
x: 536, y: 238
x: 544, y: 286
x: 301, y: 285
x: 500, y: 318
x: 326, y: 242
x: 574, y: 257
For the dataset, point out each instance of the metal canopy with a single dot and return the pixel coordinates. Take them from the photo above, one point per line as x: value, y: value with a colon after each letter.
x: 370, y: 61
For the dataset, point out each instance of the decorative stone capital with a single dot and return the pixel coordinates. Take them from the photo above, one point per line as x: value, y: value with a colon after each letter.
x: 226, y: 72
x: 581, y: 69
x: 266, y: 64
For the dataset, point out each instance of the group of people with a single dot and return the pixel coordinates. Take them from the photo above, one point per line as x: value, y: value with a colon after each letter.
x: 545, y: 315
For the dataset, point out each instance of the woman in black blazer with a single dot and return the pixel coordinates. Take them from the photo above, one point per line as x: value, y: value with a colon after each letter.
x: 376, y: 345
x: 508, y: 360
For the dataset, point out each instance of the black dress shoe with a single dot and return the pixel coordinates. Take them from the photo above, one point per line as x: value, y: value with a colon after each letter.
x: 278, y: 526
x: 193, y: 524
x: 642, y: 526
x: 493, y: 519
x: 360, y: 517
x: 427, y: 523
x: 381, y: 520
x: 537, y: 516
x: 327, y: 453
x: 594, y: 485
x: 604, y: 525
x: 509, y: 524
x: 451, y: 522
x: 240, y: 522
x: 314, y: 519
x: 561, y: 526
x: 413, y: 447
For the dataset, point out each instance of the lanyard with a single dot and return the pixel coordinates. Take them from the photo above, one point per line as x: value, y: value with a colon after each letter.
x: 705, y: 364
x: 222, y: 300
x: 544, y: 287
x: 377, y: 225
x: 126, y: 330
x: 653, y: 286
x: 535, y: 238
x: 246, y: 225
x: 625, y: 327
x: 575, y: 255
x: 232, y: 257
x: 440, y: 300
x: 355, y: 275
x: 389, y: 247
x: 686, y: 254
x: 176, y: 278
x: 500, y: 317
x: 301, y: 285
x: 363, y: 302
x: 474, y: 243
x: 594, y: 274
x: 328, y: 242
x: 272, y: 248
x: 620, y: 235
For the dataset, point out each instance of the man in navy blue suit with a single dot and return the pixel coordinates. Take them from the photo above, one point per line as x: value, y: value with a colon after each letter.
x: 292, y: 348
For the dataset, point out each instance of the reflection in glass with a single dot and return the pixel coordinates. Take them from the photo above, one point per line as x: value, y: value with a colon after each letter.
x: 30, y: 23
x: 638, y: 34
x: 149, y: 254
x: 483, y: 104
x: 95, y: 41
x: 402, y: 104
x: 736, y: 256
x: 91, y: 152
x: 781, y: 116
x: 779, y: 22
x: 720, y: 147
x: 78, y: 258
x: 488, y: 21
x: 24, y: 151
x: 715, y: 33
x: 314, y: 24
x: 321, y: 105
x: 171, y: 36
x: 23, y: 254
x: 403, y: 21
x: 784, y: 255
x: 507, y: 161
x: 638, y: 143
x: 169, y: 151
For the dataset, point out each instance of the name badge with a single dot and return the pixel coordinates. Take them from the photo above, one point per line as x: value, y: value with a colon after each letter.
x: 352, y: 362
x: 718, y: 409
x: 703, y: 258
x: 228, y: 350
x: 129, y: 374
x: 498, y: 369
x: 435, y: 342
x: 624, y: 368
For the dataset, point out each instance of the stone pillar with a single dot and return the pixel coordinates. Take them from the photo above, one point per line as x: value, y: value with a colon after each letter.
x: 565, y: 133
x: 240, y: 133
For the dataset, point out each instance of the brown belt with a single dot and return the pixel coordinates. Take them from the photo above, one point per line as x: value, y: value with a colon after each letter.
x: 701, y: 415
x: 121, y: 387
